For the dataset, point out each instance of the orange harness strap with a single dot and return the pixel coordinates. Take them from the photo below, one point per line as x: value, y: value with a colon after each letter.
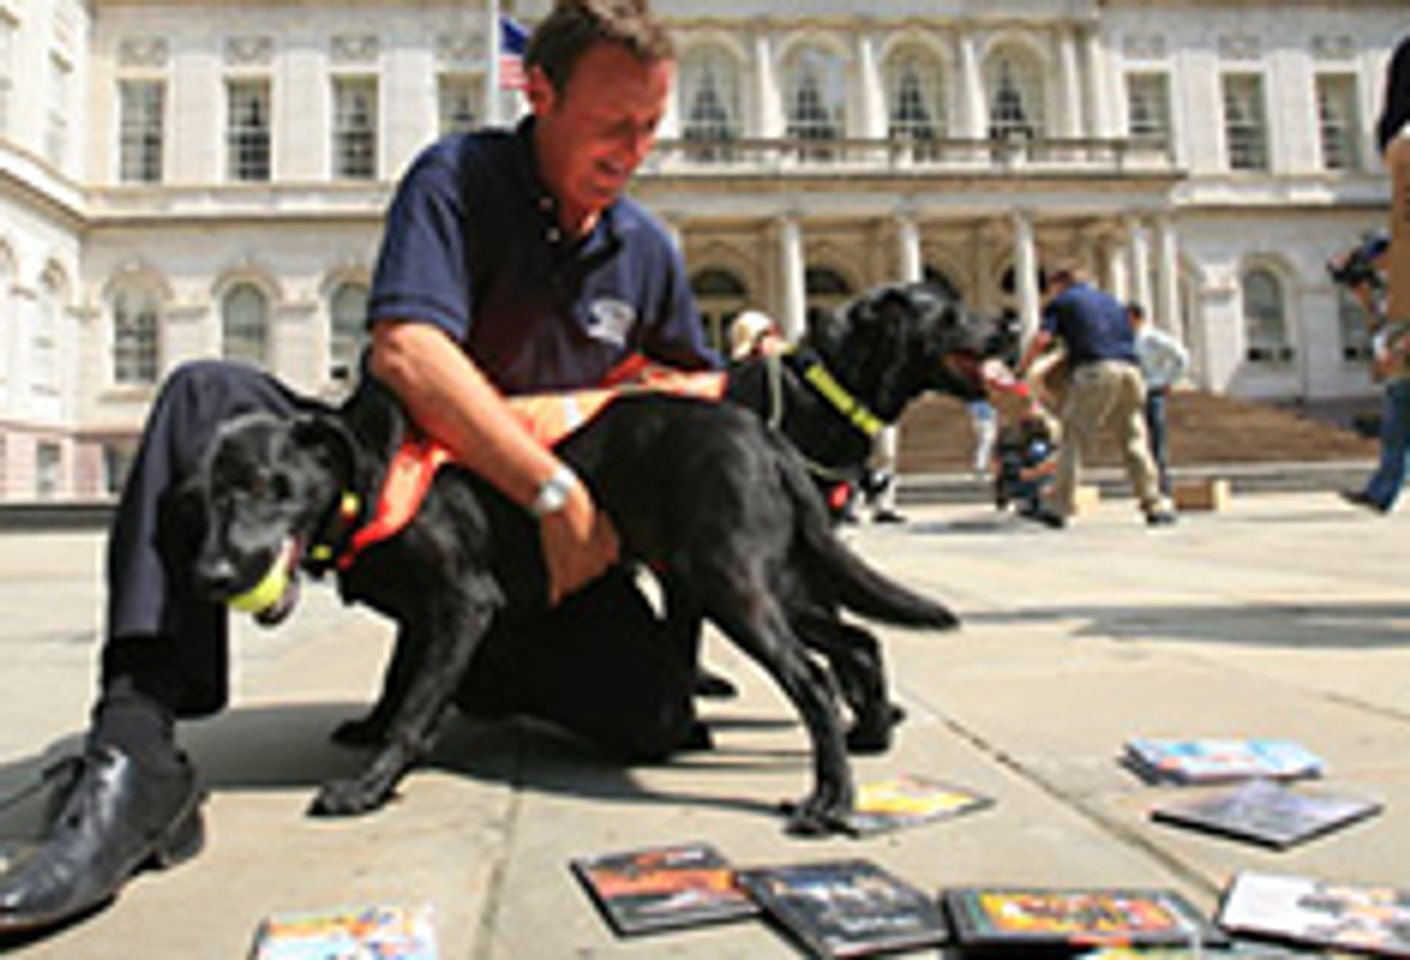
x: 549, y: 417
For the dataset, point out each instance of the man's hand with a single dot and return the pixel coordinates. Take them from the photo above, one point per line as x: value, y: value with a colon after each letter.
x: 579, y: 544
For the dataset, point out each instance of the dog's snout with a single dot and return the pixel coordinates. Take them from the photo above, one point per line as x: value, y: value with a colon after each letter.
x: 216, y: 577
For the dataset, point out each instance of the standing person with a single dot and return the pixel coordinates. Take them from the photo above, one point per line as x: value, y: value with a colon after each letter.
x: 1391, y: 256
x: 1104, y: 390
x: 510, y: 262
x: 1163, y: 361
x: 1393, y: 137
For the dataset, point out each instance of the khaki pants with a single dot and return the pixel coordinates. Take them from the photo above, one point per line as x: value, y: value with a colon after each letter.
x: 1398, y: 268
x: 1108, y: 394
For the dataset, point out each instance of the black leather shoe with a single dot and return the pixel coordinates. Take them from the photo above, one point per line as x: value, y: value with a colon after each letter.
x: 1359, y: 498
x: 1160, y: 518
x: 112, y: 819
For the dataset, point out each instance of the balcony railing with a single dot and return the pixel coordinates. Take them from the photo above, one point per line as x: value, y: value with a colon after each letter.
x: 902, y: 156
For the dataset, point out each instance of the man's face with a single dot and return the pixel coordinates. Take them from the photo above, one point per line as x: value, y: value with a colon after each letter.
x: 593, y: 134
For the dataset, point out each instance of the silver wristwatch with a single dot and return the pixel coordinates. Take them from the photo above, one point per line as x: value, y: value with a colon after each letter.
x: 553, y: 493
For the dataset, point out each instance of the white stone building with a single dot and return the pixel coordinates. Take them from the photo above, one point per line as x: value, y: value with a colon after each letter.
x: 187, y: 179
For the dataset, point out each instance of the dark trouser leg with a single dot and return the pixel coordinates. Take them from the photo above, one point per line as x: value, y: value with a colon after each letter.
x: 1155, y: 427
x: 166, y: 645
x: 598, y: 665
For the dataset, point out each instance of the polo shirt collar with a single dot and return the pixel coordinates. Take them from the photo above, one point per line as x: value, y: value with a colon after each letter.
x: 605, y: 233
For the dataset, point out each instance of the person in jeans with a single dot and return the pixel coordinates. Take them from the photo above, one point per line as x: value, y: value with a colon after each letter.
x: 1381, y: 256
x: 1104, y: 391
x: 1163, y: 362
x: 511, y: 262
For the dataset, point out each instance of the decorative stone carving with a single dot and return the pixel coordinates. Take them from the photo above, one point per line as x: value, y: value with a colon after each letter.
x: 1144, y: 46
x: 143, y: 52
x: 460, y: 49
x: 249, y: 51
x: 355, y: 48
x: 1240, y: 46
x: 1333, y: 47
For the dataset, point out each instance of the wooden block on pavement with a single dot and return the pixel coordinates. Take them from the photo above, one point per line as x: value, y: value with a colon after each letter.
x: 1205, y: 493
x: 1085, y: 499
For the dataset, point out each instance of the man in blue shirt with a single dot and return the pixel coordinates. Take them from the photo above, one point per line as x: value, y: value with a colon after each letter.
x: 511, y: 262
x: 1104, y: 390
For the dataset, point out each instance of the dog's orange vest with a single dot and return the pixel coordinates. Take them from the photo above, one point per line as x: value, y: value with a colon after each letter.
x: 549, y: 417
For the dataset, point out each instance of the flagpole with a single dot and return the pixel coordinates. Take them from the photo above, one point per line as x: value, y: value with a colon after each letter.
x: 493, y: 30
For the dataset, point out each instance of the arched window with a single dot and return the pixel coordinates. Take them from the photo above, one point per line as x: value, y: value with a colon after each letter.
x: 720, y: 295
x: 244, y: 324
x: 347, y: 320
x: 825, y: 290
x: 915, y: 100
x: 710, y: 102
x: 135, y: 359
x: 1265, y: 317
x: 1014, y: 83
x: 816, y: 99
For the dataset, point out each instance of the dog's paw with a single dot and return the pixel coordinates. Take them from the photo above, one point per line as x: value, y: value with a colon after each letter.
x: 364, y: 732
x: 812, y: 819
x: 345, y: 798
x: 869, y: 738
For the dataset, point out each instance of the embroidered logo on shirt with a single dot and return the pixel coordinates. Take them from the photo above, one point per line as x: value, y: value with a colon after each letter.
x: 610, y: 320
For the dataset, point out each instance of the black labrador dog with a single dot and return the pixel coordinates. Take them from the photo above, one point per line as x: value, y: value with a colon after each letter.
x: 704, y: 492
x: 720, y: 505
x: 857, y: 369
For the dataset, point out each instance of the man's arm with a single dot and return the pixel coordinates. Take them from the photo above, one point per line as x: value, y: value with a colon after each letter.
x: 1039, y: 343
x: 452, y: 401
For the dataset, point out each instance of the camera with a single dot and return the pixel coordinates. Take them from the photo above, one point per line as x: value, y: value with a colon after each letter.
x: 1358, y: 265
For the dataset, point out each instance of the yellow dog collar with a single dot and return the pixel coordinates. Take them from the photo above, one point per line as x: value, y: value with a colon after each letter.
x: 846, y: 404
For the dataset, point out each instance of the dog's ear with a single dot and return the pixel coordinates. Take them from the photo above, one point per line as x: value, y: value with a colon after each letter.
x: 325, y: 436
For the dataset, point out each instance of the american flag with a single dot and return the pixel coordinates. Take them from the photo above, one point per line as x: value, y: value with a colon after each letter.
x: 513, y: 41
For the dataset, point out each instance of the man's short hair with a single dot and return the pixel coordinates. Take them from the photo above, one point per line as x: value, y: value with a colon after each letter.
x: 1066, y: 272
x: 576, y: 25
x: 1136, y: 310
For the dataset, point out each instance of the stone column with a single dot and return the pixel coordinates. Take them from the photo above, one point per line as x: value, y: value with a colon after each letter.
x: 793, y: 302
x: 1139, y: 257
x: 1166, y: 311
x: 1099, y: 120
x: 1118, y: 274
x: 1025, y: 269
x: 973, y: 112
x: 873, y: 120
x: 767, y: 108
x: 1071, y: 84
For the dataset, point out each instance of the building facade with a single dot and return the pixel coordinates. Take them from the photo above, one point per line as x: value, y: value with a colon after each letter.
x: 184, y: 180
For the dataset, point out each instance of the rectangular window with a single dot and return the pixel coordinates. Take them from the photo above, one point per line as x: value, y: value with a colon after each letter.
x: 140, y: 152
x: 1148, y: 106
x: 460, y: 98
x: 1338, y: 122
x: 247, y: 136
x: 48, y: 464
x: 1245, y: 122
x: 355, y: 128
x: 56, y: 128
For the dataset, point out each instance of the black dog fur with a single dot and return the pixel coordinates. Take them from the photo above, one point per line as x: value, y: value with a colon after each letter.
x: 721, y: 506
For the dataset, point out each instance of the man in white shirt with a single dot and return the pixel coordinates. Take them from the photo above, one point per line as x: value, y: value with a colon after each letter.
x: 1163, y: 362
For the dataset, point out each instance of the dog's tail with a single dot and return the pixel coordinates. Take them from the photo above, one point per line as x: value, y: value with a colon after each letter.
x: 855, y: 584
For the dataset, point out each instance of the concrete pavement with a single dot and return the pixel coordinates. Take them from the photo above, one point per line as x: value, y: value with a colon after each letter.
x: 1287, y: 615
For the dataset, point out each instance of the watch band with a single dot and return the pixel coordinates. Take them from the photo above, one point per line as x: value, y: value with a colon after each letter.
x: 553, y: 492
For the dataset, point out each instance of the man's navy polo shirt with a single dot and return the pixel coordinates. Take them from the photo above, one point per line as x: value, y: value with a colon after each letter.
x: 473, y: 245
x: 1092, y: 324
